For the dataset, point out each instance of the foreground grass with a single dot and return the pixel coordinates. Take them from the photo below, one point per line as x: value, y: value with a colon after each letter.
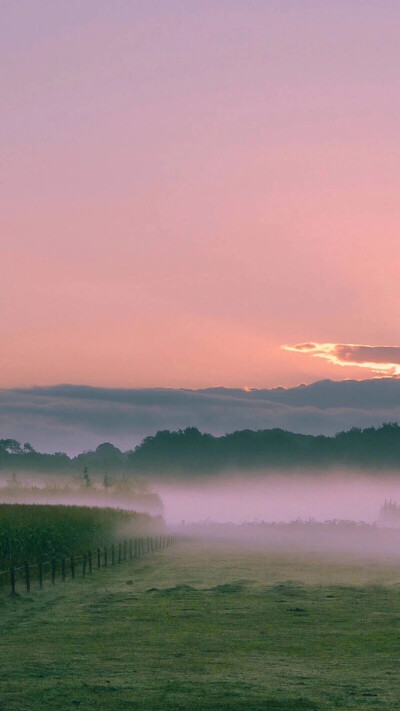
x: 207, y: 628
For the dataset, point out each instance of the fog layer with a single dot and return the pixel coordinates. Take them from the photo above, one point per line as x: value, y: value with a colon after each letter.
x: 279, y: 498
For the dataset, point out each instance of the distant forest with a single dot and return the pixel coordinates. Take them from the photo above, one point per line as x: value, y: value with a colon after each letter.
x: 188, y: 452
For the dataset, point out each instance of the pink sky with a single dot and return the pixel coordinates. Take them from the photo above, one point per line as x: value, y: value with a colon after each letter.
x: 189, y: 186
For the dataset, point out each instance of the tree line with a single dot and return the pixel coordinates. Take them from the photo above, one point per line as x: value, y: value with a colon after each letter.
x: 189, y: 452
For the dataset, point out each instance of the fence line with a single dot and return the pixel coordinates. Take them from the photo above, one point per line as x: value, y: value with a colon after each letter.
x: 83, y: 564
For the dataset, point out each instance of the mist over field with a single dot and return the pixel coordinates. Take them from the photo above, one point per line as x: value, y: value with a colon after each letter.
x: 279, y: 497
x: 271, y: 487
x: 338, y: 513
x: 132, y: 494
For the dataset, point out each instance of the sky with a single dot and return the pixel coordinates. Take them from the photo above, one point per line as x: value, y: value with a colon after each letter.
x: 199, y: 193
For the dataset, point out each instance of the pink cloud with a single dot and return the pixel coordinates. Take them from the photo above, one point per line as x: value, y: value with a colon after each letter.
x: 383, y: 360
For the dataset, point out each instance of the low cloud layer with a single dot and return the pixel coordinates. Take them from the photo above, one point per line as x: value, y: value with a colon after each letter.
x: 75, y: 418
x: 382, y: 360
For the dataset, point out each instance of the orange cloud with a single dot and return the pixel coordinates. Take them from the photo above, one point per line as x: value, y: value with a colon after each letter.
x: 382, y: 360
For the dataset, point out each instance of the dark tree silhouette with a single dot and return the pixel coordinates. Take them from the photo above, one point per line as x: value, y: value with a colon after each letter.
x: 190, y: 452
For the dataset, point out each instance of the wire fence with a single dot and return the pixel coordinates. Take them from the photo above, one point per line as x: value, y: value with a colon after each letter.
x: 70, y: 567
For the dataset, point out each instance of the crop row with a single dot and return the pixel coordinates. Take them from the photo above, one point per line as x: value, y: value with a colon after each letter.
x: 36, y: 532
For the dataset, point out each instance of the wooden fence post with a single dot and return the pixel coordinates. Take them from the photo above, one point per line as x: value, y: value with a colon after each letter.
x: 137, y: 548
x: 27, y: 577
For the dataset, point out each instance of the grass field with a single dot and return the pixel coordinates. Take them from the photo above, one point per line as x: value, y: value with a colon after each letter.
x: 208, y: 627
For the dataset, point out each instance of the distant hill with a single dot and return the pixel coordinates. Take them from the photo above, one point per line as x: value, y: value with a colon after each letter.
x: 189, y: 452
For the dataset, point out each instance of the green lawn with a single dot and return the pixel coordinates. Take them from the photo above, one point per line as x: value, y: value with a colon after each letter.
x: 207, y: 627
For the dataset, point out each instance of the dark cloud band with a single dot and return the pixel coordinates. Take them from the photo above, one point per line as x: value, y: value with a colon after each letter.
x: 74, y: 418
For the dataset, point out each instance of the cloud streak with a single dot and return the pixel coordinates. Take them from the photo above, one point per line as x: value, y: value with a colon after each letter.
x: 381, y: 360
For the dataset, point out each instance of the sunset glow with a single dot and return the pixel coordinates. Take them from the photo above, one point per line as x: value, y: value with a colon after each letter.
x: 190, y: 185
